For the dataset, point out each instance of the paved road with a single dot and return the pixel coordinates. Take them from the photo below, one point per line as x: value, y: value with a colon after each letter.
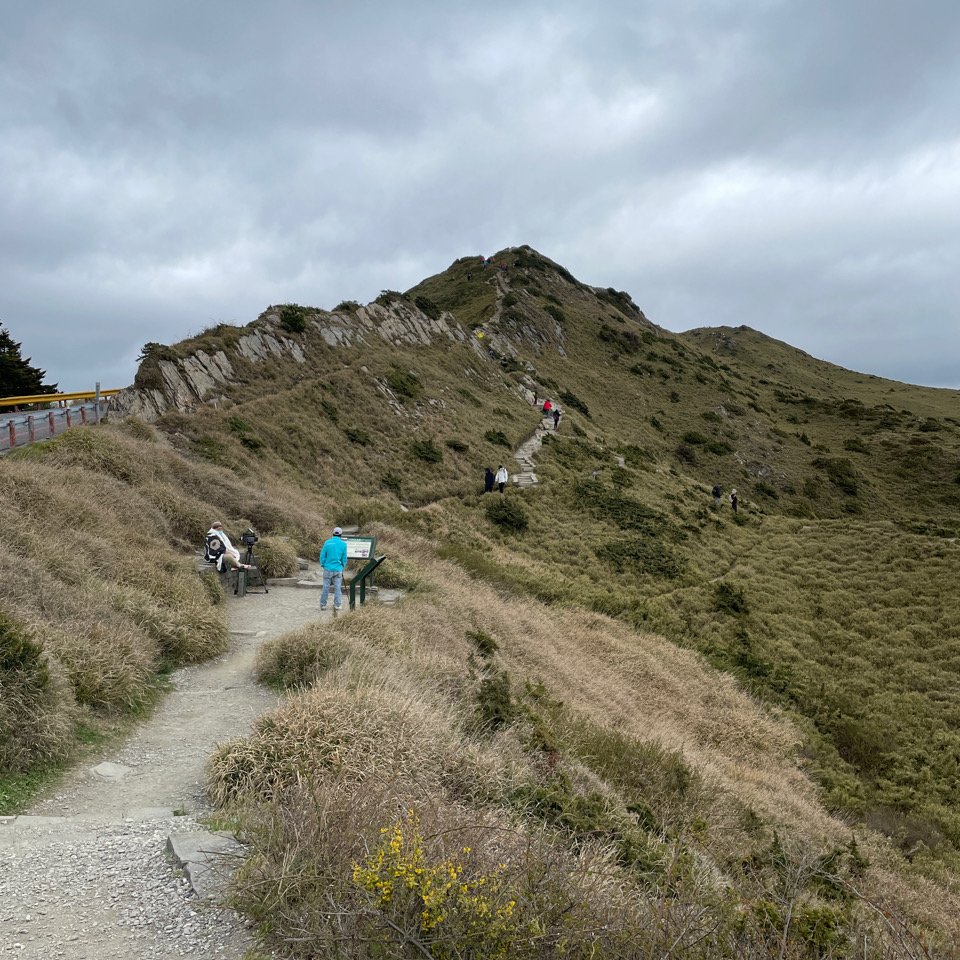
x: 21, y: 429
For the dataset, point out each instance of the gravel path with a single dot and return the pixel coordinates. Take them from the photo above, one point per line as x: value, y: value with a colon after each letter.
x: 86, y: 876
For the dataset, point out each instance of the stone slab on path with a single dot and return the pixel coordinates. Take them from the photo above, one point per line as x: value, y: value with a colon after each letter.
x: 110, y: 772
x: 209, y: 860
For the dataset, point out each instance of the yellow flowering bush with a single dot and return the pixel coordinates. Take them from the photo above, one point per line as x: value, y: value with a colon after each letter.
x: 436, y: 903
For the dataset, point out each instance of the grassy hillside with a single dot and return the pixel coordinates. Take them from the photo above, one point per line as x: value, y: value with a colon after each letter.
x: 749, y: 721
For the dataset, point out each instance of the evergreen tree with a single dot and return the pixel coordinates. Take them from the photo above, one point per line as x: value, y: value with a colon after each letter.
x: 17, y: 376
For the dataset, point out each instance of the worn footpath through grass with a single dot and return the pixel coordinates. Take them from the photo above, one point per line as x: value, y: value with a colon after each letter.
x: 86, y: 872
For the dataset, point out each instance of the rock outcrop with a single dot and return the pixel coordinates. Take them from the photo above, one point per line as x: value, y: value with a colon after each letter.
x: 202, y: 377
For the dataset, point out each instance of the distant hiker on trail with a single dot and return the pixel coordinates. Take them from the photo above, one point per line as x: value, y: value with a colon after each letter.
x: 717, y: 493
x: 547, y: 407
x: 488, y: 481
x: 556, y: 418
x: 733, y: 500
x: 333, y: 560
x: 502, y: 477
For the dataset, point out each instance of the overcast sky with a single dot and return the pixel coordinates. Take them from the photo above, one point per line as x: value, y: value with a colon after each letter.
x: 793, y: 166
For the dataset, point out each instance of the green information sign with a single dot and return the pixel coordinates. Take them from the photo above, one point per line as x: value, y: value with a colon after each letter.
x: 360, y: 548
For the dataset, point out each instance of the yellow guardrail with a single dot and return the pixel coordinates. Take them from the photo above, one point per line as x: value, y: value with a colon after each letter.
x: 56, y: 397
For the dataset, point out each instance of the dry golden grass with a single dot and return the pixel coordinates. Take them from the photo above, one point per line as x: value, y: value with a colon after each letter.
x: 276, y: 557
x: 391, y: 721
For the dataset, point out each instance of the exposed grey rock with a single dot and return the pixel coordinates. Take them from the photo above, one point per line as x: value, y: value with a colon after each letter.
x: 209, y: 860
x: 110, y: 771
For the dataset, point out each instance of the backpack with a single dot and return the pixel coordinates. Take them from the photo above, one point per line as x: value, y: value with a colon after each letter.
x: 213, y: 548
x: 716, y: 490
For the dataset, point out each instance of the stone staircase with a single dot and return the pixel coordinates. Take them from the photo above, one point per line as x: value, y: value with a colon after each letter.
x: 524, y: 454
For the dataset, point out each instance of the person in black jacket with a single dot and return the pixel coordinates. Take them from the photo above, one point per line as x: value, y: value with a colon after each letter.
x: 488, y: 481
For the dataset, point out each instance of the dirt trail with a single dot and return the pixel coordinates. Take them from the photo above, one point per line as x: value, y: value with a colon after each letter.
x: 86, y: 875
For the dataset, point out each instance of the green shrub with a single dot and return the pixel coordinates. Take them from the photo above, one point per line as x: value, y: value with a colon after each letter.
x: 574, y: 402
x: 694, y: 438
x: 729, y: 599
x: 556, y: 313
x: 495, y: 704
x: 762, y: 489
x: 718, y: 448
x: 485, y: 644
x: 641, y: 555
x: 840, y: 472
x: 507, y: 513
x: 458, y: 446
x: 404, y: 383
x: 427, y: 451
x: 293, y: 318
x: 497, y: 437
x: 426, y: 306
x: 390, y: 481
x: 355, y: 435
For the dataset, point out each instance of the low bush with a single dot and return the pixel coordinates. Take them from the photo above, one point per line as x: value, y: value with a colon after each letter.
x: 299, y: 658
x: 574, y: 402
x: 276, y: 557
x: 355, y: 435
x: 495, y: 704
x: 729, y: 599
x: 398, y: 574
x: 293, y: 318
x: 35, y: 713
x: 840, y: 472
x: 426, y: 306
x: 404, y: 383
x: 508, y: 514
x: 763, y: 489
x: 641, y: 555
x: 497, y: 437
x: 426, y: 450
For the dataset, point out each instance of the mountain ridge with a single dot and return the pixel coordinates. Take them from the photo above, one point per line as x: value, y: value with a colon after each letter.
x: 827, y: 601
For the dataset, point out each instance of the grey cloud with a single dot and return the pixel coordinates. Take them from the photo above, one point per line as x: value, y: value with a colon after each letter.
x: 782, y: 164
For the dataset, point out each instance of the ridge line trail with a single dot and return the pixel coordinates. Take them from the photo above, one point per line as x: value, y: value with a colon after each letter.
x: 86, y: 875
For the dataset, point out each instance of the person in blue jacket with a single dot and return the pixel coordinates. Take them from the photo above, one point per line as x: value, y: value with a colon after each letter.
x: 333, y: 560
